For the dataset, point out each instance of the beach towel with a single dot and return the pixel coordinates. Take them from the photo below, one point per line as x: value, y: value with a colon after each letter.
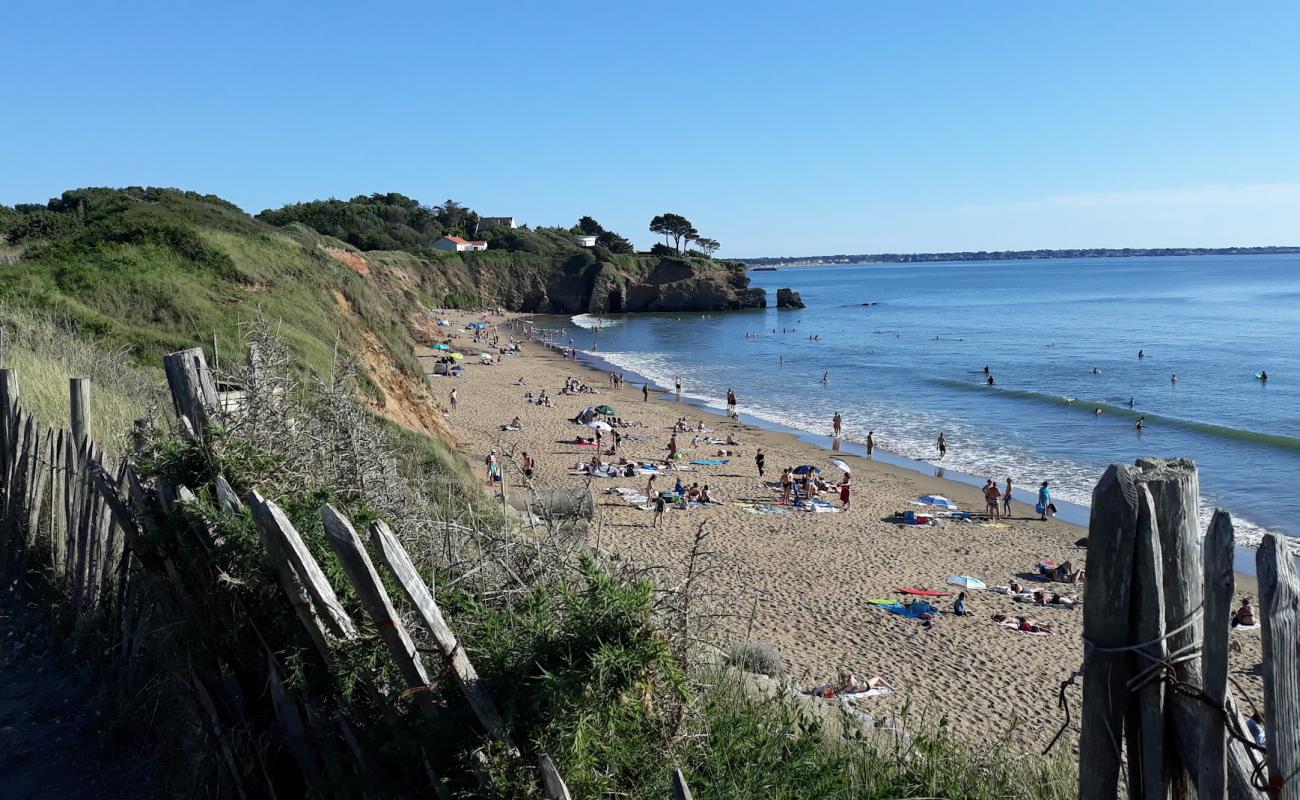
x: 913, y: 611
x: 925, y: 592
x: 709, y: 462
x: 882, y: 602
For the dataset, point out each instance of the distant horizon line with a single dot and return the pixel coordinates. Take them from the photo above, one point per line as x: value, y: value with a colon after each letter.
x: 1021, y: 255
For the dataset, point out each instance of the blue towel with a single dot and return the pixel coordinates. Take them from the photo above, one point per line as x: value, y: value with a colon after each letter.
x: 708, y: 463
x: 914, y: 611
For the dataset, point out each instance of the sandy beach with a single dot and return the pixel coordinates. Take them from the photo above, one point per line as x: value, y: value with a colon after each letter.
x: 807, y: 577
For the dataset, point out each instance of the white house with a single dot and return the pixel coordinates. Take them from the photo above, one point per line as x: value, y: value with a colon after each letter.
x: 496, y: 222
x: 458, y: 245
x: 586, y: 241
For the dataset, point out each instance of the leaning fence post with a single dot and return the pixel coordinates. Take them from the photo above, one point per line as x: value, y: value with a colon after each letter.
x: 1212, y: 779
x: 79, y: 403
x: 1112, y: 532
x: 370, y: 590
x: 194, y: 394
x: 283, y: 539
x: 1148, y: 753
x: 399, y: 563
x: 1279, y: 591
x: 552, y: 783
x: 680, y: 790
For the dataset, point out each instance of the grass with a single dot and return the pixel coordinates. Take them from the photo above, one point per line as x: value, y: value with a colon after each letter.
x: 45, y: 355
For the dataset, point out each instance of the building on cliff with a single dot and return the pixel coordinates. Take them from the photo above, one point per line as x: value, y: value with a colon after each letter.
x: 495, y: 222
x: 459, y: 245
x: 586, y: 241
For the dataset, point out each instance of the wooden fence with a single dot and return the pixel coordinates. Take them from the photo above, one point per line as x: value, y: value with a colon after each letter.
x: 86, y: 525
x: 1156, y: 698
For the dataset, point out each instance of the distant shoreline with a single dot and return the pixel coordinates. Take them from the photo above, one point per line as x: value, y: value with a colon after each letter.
x: 1012, y: 255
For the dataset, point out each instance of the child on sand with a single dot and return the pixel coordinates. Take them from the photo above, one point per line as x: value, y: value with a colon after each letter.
x: 845, y: 491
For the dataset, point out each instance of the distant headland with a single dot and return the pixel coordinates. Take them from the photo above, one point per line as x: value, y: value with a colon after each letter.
x: 1014, y: 255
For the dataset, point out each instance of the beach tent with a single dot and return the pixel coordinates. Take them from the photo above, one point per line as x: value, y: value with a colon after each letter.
x: 806, y: 468
x: 607, y: 410
x: 965, y: 582
x: 841, y: 465
x: 597, y: 424
x: 937, y: 500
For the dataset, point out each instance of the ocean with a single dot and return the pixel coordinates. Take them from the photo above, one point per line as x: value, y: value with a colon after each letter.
x: 904, y: 347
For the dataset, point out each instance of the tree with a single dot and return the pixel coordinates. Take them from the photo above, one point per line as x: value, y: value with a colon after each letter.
x: 673, y: 226
x: 452, y: 214
x: 614, y: 242
x: 590, y: 227
x: 709, y: 246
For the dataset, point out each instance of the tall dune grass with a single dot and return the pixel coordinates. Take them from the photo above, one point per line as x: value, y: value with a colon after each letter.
x: 45, y: 354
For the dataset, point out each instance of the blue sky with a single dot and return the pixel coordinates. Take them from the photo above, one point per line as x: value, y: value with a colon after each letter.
x: 778, y: 129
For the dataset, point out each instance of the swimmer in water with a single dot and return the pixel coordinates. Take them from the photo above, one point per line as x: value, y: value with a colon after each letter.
x: 1141, y: 354
x: 1263, y: 376
x: 1173, y: 377
x: 1141, y: 423
x: 826, y: 377
x: 1130, y: 402
x: 1096, y: 371
x: 1096, y: 412
x: 990, y: 380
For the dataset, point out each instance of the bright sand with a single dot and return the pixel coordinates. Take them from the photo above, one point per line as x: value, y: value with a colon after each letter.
x: 812, y: 574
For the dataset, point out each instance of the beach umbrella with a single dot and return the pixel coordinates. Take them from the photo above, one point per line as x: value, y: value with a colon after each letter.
x: 441, y: 346
x: 457, y: 356
x: 608, y: 410
x: 937, y: 500
x: 841, y: 465
x: 965, y: 582
x: 598, y: 425
x: 806, y: 468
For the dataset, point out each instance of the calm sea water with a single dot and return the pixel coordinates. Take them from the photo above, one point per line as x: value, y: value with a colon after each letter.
x: 912, y: 367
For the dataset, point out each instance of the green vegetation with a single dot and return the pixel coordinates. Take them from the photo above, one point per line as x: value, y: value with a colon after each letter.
x: 680, y: 230
x: 45, y: 354
x: 154, y: 270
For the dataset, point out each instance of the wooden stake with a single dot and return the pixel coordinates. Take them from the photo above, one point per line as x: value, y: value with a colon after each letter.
x: 1279, y: 608
x: 1212, y: 780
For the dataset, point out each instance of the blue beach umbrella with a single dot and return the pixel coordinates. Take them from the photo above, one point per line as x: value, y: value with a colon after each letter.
x: 806, y: 468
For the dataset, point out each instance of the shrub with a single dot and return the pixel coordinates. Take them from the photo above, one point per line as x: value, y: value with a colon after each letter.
x: 757, y: 657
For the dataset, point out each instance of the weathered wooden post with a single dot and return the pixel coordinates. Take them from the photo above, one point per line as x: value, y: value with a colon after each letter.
x: 1175, y: 489
x: 1112, y: 532
x: 552, y: 783
x: 399, y: 563
x: 79, y: 403
x: 370, y: 590
x: 1148, y: 756
x: 680, y: 790
x: 1212, y: 780
x: 194, y: 393
x: 1279, y: 591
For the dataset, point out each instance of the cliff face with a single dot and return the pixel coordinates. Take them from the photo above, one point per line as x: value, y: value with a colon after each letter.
x: 579, y: 283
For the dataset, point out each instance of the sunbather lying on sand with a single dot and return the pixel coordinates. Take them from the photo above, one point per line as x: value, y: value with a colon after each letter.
x: 1023, y: 624
x: 848, y: 684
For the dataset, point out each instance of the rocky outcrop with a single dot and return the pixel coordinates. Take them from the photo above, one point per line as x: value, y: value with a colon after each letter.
x: 788, y: 298
x: 581, y: 283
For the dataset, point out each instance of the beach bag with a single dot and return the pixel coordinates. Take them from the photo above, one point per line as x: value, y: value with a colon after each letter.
x: 1038, y: 509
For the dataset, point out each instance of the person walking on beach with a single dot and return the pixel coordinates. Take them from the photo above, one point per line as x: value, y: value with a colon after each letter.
x: 943, y: 445
x: 871, y: 442
x: 660, y: 503
x: 672, y: 446
x: 845, y: 490
x: 528, y: 465
x: 836, y: 423
x: 453, y: 398
x: 787, y: 484
x: 731, y: 402
x: 1006, y: 500
x: 759, y: 460
x: 1044, y: 500
x: 679, y: 388
x: 650, y: 486
x: 491, y: 463
x: 645, y: 392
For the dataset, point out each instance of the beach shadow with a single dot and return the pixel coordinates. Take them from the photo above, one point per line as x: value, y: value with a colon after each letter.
x: 1032, y: 576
